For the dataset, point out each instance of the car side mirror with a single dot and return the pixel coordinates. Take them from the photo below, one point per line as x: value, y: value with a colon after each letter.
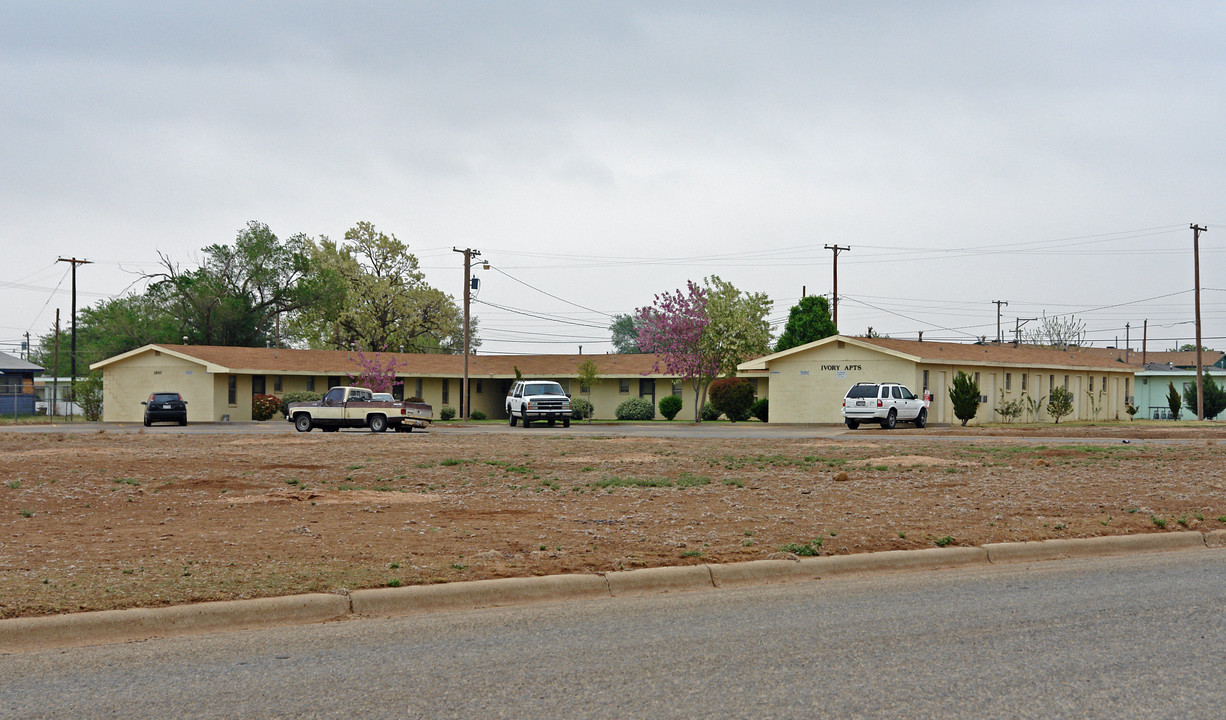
x: 142, y: 402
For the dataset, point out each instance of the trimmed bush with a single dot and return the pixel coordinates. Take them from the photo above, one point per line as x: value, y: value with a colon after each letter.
x: 476, y: 415
x: 670, y: 405
x: 760, y: 409
x: 709, y: 412
x: 732, y: 398
x: 636, y: 409
x: 446, y: 412
x: 580, y: 409
x: 263, y: 407
x: 300, y: 396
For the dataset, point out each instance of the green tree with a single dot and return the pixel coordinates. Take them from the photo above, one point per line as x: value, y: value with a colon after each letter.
x: 808, y: 321
x: 382, y: 301
x: 1173, y: 401
x: 1059, y: 403
x: 738, y: 329
x: 87, y: 394
x: 625, y: 335
x: 106, y: 329
x: 964, y: 395
x: 588, y: 374
x: 240, y: 292
x: 670, y: 405
x: 1215, y: 397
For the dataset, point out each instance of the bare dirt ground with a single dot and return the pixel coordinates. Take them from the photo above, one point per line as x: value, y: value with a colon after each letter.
x: 114, y: 520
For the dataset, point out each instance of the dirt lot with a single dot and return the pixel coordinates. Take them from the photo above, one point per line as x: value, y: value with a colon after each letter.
x: 113, y: 520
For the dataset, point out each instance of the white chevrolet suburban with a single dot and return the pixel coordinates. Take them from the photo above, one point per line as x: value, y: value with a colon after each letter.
x: 885, y: 403
x: 531, y: 400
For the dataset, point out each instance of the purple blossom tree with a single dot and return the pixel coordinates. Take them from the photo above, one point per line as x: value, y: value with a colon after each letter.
x: 376, y: 375
x: 672, y: 327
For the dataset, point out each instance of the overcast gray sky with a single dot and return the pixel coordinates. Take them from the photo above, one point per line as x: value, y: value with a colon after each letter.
x: 1051, y: 155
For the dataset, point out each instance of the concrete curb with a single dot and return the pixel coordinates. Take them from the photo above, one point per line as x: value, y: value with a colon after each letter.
x: 1091, y: 547
x: 111, y: 626
x: 390, y: 602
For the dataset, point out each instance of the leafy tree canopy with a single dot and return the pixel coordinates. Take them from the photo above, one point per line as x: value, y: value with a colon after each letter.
x: 625, y: 335
x: 808, y: 321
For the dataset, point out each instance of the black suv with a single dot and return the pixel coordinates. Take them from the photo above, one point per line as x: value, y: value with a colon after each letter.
x: 165, y: 407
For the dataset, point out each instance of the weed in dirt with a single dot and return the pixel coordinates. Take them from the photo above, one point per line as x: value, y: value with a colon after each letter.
x: 733, y: 482
x: 291, y: 481
x: 126, y: 481
x: 749, y: 533
x: 902, y: 535
x: 1059, y: 526
x: 1199, y: 517
x: 614, y: 481
x: 747, y: 543
x: 551, y: 484
x: 355, y: 467
x: 1104, y: 522
x: 1221, y: 518
x: 27, y: 513
x: 809, y: 549
x: 451, y: 462
x: 394, y: 582
x: 394, y: 566
x: 15, y: 484
x: 586, y: 468
x: 943, y: 541
x: 458, y: 566
x: 1131, y: 511
x: 881, y: 468
x: 424, y: 465
x: 689, y: 479
x: 1160, y: 522
x: 692, y: 553
x: 1182, y: 520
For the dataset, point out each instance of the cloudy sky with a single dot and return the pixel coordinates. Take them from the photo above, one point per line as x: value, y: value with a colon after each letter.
x: 1051, y: 155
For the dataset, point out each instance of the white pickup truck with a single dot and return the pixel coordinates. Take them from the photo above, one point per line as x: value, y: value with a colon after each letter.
x: 356, y: 407
x: 531, y: 400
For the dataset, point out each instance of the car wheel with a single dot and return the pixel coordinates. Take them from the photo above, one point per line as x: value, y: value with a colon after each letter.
x: 302, y: 422
x: 377, y: 423
x: 566, y: 422
x: 890, y: 420
x: 552, y: 422
x: 921, y: 420
x: 511, y: 417
x: 527, y: 422
x: 147, y: 423
x: 853, y: 424
x: 182, y: 422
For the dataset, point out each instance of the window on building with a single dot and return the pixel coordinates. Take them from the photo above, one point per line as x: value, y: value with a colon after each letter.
x: 1091, y: 383
x: 583, y: 388
x: 623, y: 385
x: 1104, y: 383
x: 478, y: 386
x: 258, y: 384
x: 446, y: 391
x: 1125, y: 388
x: 276, y: 383
x: 1023, y: 381
x: 232, y: 390
x: 976, y: 378
x: 1051, y: 382
x: 677, y: 388
x: 417, y: 388
x: 925, y: 381
x: 1066, y: 382
x: 1008, y: 381
x: 310, y: 384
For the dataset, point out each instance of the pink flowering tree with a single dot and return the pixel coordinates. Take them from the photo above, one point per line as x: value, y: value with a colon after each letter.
x: 673, y: 327
x: 377, y: 374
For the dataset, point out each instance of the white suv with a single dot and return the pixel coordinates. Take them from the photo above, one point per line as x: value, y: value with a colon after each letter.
x: 531, y: 400
x: 886, y: 403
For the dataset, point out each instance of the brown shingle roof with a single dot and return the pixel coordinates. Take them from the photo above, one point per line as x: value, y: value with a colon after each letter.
x: 1007, y: 354
x: 339, y: 362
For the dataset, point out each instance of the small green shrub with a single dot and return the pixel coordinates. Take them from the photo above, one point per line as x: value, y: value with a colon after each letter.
x: 670, y: 405
x: 709, y: 412
x: 943, y: 541
x: 476, y: 415
x: 446, y: 412
x: 809, y: 549
x: 302, y: 396
x: 636, y: 409
x: 580, y: 409
x: 732, y: 397
x: 760, y: 409
x: 263, y: 407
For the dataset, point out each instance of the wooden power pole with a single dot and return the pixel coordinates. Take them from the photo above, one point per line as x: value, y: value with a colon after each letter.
x: 1200, y: 380
x: 469, y: 254
x: 834, y: 311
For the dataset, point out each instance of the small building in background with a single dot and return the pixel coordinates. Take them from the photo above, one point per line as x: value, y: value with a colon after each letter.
x: 17, y: 385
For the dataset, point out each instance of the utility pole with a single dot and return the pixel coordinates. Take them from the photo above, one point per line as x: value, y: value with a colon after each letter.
x: 835, y: 310
x: 1200, y: 380
x: 1127, y: 342
x: 55, y: 376
x: 469, y: 254
x: 1017, y: 329
x: 998, y: 303
x: 1144, y: 340
x: 75, y: 262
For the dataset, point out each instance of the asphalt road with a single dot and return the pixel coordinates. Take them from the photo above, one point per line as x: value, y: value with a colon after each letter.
x: 1109, y: 638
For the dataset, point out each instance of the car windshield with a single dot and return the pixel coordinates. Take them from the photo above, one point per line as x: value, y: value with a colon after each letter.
x: 543, y: 389
x: 862, y: 391
x: 165, y: 397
